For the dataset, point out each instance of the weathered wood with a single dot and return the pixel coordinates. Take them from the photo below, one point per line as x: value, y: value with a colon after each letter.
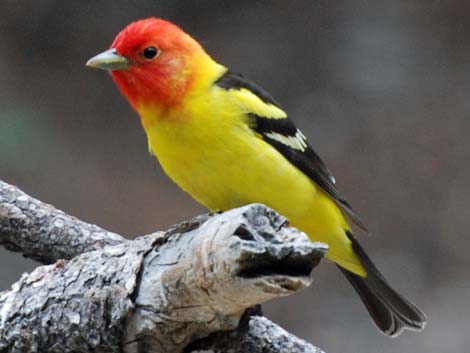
x: 157, y: 293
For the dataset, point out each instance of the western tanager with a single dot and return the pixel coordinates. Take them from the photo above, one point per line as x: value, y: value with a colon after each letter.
x: 228, y: 143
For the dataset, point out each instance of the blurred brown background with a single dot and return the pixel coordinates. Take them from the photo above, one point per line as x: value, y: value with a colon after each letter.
x: 380, y: 88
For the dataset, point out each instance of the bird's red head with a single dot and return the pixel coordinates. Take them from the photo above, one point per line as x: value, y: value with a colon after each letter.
x: 157, y: 62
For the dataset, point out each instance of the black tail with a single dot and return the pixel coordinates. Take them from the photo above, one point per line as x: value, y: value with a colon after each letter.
x: 391, y: 312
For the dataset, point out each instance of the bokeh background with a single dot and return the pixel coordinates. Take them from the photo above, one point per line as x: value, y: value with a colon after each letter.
x: 380, y: 87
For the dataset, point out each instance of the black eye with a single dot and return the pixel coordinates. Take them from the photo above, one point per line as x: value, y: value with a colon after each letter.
x: 150, y: 52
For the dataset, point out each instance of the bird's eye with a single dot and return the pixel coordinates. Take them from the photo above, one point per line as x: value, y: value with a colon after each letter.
x: 150, y: 52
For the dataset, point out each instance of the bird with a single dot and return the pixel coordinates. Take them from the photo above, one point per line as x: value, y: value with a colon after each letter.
x: 227, y: 142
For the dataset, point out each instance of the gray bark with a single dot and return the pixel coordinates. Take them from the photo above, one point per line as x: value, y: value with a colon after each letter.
x: 158, y: 293
x: 43, y: 233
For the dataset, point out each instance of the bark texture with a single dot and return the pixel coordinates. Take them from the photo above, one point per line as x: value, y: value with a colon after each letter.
x: 43, y: 233
x: 190, y: 285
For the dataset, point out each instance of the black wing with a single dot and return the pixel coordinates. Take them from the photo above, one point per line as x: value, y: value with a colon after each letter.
x: 283, y: 135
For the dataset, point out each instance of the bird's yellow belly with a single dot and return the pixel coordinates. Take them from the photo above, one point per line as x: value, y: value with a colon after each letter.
x: 223, y: 176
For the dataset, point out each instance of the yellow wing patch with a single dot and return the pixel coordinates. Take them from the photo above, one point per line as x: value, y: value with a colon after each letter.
x: 252, y: 104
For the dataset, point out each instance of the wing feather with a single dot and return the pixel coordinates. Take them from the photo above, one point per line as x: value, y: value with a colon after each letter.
x: 271, y: 123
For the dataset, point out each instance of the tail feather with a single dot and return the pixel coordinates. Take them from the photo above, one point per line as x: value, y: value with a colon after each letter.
x: 390, y: 311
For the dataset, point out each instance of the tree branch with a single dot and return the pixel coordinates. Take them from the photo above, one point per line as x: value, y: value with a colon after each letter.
x: 255, y: 334
x: 157, y: 293
x: 43, y: 233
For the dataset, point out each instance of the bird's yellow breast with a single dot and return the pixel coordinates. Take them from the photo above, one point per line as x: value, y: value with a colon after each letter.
x: 211, y: 153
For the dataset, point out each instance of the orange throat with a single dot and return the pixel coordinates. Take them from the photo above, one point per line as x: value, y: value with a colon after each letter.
x: 162, y: 89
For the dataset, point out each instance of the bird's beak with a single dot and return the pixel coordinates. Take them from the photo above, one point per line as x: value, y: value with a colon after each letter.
x: 108, y: 60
